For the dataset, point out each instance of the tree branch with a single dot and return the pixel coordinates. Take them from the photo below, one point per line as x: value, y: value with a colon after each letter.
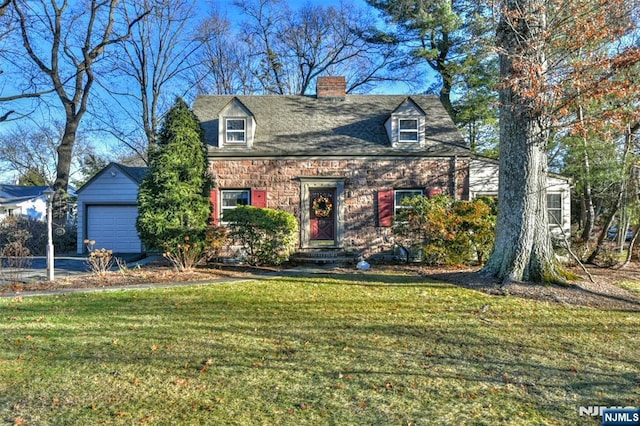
x: 6, y: 115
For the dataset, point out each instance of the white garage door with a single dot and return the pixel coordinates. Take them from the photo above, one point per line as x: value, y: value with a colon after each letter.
x: 114, y: 228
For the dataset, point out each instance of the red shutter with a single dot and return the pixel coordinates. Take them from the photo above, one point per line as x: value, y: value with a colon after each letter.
x: 385, y: 207
x: 432, y: 192
x: 214, y: 197
x: 259, y: 198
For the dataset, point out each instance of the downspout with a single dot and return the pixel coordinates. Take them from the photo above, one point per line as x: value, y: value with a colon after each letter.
x: 454, y: 183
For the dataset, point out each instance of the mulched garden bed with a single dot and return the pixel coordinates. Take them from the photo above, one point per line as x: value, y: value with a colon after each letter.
x: 604, y: 293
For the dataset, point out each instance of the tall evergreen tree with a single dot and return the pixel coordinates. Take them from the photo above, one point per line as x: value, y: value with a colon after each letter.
x: 173, y: 199
x: 455, y: 39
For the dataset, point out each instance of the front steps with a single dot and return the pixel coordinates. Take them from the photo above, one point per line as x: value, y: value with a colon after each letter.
x: 323, y: 257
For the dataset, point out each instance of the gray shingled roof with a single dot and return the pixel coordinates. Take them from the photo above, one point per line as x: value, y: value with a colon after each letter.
x: 135, y: 173
x: 305, y: 125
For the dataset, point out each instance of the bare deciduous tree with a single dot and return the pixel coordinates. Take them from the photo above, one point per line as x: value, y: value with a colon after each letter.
x: 282, y: 51
x: 339, y: 41
x: 266, y: 19
x: 27, y: 150
x: 158, y: 54
x: 225, y: 62
x: 61, y: 44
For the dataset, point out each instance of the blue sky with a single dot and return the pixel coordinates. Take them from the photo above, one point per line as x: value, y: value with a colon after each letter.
x: 226, y: 8
x: 228, y: 4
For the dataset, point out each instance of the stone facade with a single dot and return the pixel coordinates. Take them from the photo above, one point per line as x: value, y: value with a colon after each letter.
x: 359, y: 179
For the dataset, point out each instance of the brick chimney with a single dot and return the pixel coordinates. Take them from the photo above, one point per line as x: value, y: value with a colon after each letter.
x: 331, y: 87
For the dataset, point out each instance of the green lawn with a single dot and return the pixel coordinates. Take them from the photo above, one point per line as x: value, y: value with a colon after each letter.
x: 375, y: 350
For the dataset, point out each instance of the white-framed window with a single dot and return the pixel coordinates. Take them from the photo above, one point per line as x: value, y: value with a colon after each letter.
x: 232, y: 198
x: 401, y: 194
x: 554, y: 208
x: 236, y: 130
x: 408, y: 129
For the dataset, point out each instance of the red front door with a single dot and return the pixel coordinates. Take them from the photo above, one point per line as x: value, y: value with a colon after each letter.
x: 323, y: 214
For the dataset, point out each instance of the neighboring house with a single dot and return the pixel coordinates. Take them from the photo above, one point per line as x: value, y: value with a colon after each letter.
x: 356, y: 155
x: 108, y: 208
x: 483, y: 181
x: 19, y: 200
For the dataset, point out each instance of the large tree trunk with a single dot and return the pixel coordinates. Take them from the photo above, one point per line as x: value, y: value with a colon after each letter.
x: 63, y: 171
x: 65, y: 155
x: 523, y: 250
x: 589, y: 212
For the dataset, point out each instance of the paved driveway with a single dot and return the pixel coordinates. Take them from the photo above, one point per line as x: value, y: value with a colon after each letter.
x: 36, y: 267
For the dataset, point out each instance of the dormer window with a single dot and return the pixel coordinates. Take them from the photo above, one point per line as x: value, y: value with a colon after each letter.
x: 408, y: 130
x: 406, y: 126
x: 236, y: 126
x: 236, y: 130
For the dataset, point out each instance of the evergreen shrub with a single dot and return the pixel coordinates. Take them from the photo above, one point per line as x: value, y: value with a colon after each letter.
x: 267, y: 236
x: 173, y: 200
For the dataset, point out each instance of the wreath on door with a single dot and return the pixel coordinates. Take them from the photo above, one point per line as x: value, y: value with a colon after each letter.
x: 322, y: 206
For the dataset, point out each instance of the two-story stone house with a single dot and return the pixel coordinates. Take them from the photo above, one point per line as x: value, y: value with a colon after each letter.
x: 340, y: 163
x: 358, y: 154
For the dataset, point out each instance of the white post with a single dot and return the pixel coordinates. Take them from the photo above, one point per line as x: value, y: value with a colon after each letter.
x: 50, y: 254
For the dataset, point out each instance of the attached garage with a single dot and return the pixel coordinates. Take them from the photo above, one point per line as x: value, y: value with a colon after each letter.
x: 113, y: 227
x: 107, y: 209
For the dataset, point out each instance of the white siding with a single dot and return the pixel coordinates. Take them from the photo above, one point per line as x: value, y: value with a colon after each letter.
x: 562, y: 187
x: 110, y: 188
x: 35, y: 208
x: 483, y: 180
